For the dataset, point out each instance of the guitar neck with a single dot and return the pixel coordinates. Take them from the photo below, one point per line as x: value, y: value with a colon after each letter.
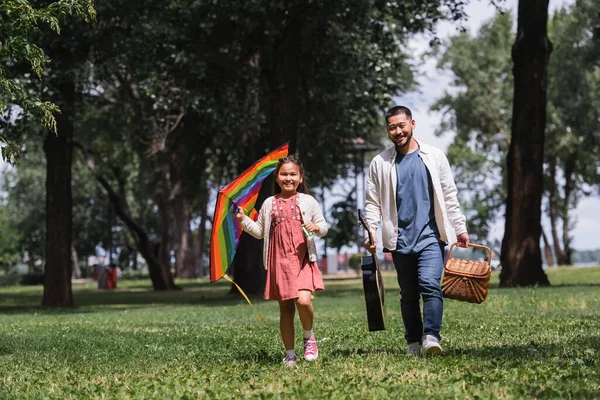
x: 365, y: 227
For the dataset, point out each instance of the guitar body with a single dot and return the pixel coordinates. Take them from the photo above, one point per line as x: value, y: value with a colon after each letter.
x: 373, y: 288
x: 374, y: 293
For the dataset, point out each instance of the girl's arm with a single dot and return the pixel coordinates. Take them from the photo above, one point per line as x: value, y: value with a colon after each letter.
x: 256, y: 229
x: 317, y: 225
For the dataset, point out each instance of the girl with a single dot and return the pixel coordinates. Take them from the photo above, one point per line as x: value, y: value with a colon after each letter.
x: 289, y: 254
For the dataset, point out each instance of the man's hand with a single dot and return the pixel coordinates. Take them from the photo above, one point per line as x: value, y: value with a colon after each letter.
x: 463, y: 240
x: 371, y: 248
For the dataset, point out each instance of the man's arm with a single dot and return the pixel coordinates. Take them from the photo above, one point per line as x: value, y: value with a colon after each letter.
x: 372, y: 207
x: 457, y: 219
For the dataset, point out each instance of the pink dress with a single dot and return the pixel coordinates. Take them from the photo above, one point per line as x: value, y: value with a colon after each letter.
x: 289, y: 268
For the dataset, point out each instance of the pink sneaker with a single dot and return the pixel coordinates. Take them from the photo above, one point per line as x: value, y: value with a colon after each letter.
x: 289, y: 360
x: 311, y: 352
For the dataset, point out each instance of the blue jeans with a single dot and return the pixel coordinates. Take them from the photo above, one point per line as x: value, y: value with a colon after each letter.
x: 419, y: 275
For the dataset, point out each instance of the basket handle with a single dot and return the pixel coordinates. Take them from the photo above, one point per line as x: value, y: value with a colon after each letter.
x: 479, y: 246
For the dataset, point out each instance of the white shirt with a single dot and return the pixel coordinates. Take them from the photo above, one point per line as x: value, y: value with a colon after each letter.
x: 380, y: 205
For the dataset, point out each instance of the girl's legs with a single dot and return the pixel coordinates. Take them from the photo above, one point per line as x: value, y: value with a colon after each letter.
x: 306, y: 313
x: 305, y: 309
x: 286, y: 322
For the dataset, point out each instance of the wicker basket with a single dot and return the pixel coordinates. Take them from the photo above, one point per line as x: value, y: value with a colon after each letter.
x: 467, y: 280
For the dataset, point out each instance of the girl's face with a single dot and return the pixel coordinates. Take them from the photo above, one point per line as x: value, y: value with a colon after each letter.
x: 288, y: 178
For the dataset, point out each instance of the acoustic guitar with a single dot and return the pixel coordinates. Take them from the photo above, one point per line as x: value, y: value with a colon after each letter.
x: 373, y: 286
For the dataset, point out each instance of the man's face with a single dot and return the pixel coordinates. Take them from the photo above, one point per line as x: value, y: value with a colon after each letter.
x: 400, y: 130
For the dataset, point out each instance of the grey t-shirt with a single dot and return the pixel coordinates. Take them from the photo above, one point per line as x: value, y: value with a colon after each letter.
x: 414, y: 198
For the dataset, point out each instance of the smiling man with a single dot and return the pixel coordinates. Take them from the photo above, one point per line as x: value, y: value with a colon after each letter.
x: 411, y: 191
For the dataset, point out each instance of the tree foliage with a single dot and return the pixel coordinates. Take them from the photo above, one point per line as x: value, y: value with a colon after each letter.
x: 343, y: 223
x: 167, y: 101
x: 573, y: 142
x: 21, y: 59
x: 479, y: 111
x: 479, y: 106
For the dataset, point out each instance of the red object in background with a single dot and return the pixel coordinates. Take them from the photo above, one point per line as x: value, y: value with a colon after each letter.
x: 342, y: 261
x: 111, y: 278
x: 324, y: 265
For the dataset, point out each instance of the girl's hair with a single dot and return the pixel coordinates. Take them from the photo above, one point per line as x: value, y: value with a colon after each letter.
x: 302, y: 187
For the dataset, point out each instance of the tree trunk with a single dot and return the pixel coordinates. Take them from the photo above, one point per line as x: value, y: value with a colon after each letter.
x: 162, y: 250
x: 521, y: 254
x: 186, y: 259
x: 109, y: 235
x: 160, y: 274
x: 134, y: 266
x: 185, y: 252
x: 566, y: 208
x: 30, y: 264
x: 283, y: 106
x: 152, y: 251
x: 284, y: 103
x: 248, y: 267
x: 75, y: 260
x: 59, y: 202
x: 547, y: 250
x: 202, y: 237
x: 552, y: 213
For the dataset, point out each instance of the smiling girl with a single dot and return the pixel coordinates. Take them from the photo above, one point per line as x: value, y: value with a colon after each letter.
x: 292, y: 271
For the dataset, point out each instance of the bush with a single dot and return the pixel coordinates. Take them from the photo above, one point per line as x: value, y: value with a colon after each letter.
x: 132, y: 275
x: 9, y: 280
x: 36, y: 278
x: 354, y: 261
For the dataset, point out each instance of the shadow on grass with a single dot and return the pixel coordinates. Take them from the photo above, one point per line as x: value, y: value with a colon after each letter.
x: 525, y: 352
x: 501, y: 356
x: 259, y: 356
x: 135, y: 295
x: 139, y: 294
x: 561, y: 285
x: 93, y: 300
x: 356, y: 292
x: 265, y: 358
x: 6, y: 346
x: 496, y: 285
x: 360, y: 352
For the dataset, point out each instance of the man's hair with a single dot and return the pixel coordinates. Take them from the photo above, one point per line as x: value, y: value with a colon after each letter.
x: 397, y: 110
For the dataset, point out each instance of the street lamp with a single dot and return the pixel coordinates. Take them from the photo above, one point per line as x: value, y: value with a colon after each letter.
x: 359, y: 147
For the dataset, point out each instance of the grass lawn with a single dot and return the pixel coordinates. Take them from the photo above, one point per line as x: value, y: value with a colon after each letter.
x: 203, y: 343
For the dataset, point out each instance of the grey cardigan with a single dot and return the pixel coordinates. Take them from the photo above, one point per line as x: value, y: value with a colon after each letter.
x: 311, y: 212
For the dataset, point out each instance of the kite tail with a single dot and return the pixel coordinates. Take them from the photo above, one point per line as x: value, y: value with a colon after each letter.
x: 262, y: 318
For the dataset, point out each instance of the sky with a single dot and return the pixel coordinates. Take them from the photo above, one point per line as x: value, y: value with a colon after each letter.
x: 434, y: 83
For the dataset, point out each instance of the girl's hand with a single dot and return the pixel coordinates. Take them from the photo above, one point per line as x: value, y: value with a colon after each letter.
x: 240, y: 214
x: 312, y: 227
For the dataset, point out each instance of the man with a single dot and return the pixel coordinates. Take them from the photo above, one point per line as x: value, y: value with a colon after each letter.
x: 410, y: 189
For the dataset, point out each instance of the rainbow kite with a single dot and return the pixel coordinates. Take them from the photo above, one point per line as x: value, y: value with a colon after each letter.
x: 242, y: 192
